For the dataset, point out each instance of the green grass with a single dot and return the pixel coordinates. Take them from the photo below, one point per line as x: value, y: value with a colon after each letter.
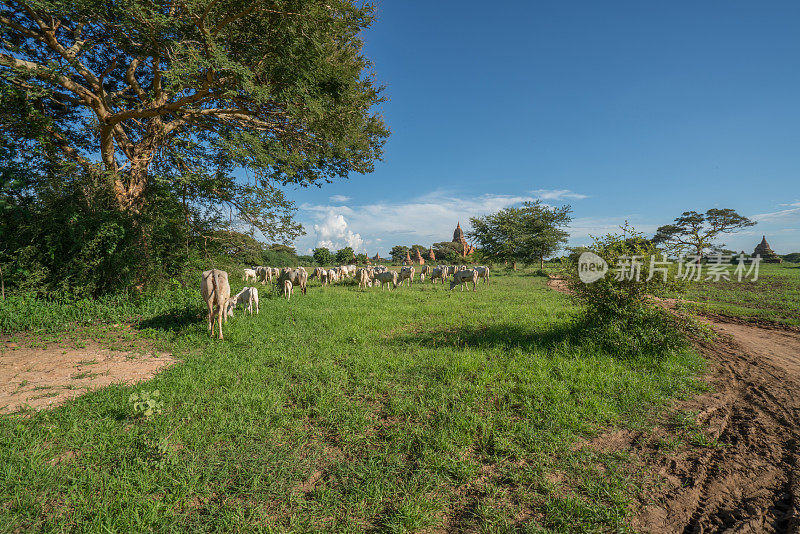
x: 348, y: 410
x: 775, y: 296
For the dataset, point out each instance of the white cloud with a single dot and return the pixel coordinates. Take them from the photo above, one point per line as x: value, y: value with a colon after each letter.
x: 339, y: 199
x: 427, y: 219
x: 333, y: 232
x: 792, y: 211
x: 557, y: 194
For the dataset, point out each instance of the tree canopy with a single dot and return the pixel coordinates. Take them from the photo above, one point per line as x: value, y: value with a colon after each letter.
x: 398, y: 253
x: 524, y: 234
x: 345, y: 256
x: 448, y: 252
x: 697, y: 231
x: 179, y: 94
x: 322, y: 256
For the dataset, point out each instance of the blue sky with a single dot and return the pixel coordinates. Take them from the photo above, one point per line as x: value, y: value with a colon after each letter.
x: 625, y: 110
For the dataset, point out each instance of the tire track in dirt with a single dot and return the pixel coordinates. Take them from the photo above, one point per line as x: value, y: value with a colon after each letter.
x: 750, y: 481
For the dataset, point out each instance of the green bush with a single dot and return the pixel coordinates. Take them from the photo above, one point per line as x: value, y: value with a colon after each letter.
x: 621, y: 311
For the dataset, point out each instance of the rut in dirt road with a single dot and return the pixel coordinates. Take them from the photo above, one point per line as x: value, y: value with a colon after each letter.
x: 749, y: 481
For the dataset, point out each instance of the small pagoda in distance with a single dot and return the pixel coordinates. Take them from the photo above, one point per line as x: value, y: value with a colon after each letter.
x: 431, y: 255
x: 407, y: 261
x: 418, y: 257
x: 377, y: 257
x: 765, y: 251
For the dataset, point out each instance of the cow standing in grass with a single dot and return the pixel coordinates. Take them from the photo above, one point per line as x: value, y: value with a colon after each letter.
x: 439, y: 273
x: 298, y: 277
x: 216, y: 292
x: 483, y: 272
x: 386, y: 277
x: 248, y: 296
x: 464, y: 277
x: 406, y: 273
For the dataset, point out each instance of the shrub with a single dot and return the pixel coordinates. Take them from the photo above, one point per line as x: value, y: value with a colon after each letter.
x: 621, y: 312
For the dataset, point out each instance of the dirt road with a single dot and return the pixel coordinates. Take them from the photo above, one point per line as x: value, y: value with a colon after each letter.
x: 749, y: 479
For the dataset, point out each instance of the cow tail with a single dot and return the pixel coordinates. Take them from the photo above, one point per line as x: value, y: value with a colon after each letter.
x: 215, y: 286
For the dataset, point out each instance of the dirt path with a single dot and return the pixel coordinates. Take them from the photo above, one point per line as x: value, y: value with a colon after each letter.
x: 45, y: 377
x: 750, y: 480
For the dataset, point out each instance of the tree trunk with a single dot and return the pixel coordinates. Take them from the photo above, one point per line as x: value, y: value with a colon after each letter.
x: 514, y: 266
x: 541, y: 262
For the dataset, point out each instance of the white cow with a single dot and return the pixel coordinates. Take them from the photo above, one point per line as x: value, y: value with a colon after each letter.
x: 386, y: 277
x: 464, y: 277
x: 298, y: 277
x: 333, y: 276
x: 248, y: 295
x: 439, y: 273
x: 406, y: 273
x: 249, y: 274
x: 216, y: 292
x: 364, y: 277
x: 287, y: 289
x: 483, y: 272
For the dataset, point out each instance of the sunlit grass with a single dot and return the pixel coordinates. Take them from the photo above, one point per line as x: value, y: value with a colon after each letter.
x: 349, y: 410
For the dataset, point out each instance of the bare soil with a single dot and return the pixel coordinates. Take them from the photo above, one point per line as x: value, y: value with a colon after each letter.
x: 746, y: 478
x: 35, y: 377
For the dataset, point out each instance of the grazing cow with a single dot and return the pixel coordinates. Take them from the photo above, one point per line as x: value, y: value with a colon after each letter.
x: 439, y: 273
x: 249, y: 274
x: 406, y: 273
x: 247, y: 295
x: 266, y: 274
x: 318, y: 272
x: 464, y: 277
x: 333, y: 276
x: 298, y: 277
x: 386, y: 277
x: 424, y: 270
x: 364, y: 277
x: 483, y: 272
x: 287, y: 289
x: 216, y: 292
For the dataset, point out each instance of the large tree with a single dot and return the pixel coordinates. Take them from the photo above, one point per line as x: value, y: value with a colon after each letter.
x: 398, y: 253
x: 345, y: 255
x: 323, y: 256
x: 525, y: 234
x: 185, y: 92
x: 448, y: 252
x: 697, y: 231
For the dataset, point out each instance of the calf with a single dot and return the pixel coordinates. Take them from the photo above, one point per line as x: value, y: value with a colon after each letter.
x: 464, y: 277
x: 247, y: 295
x: 216, y: 292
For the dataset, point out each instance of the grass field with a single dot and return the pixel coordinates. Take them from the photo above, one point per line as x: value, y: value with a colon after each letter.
x: 347, y: 410
x: 775, y: 296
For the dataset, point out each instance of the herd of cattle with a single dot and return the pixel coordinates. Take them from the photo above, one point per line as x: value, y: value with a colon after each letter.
x: 216, y: 290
